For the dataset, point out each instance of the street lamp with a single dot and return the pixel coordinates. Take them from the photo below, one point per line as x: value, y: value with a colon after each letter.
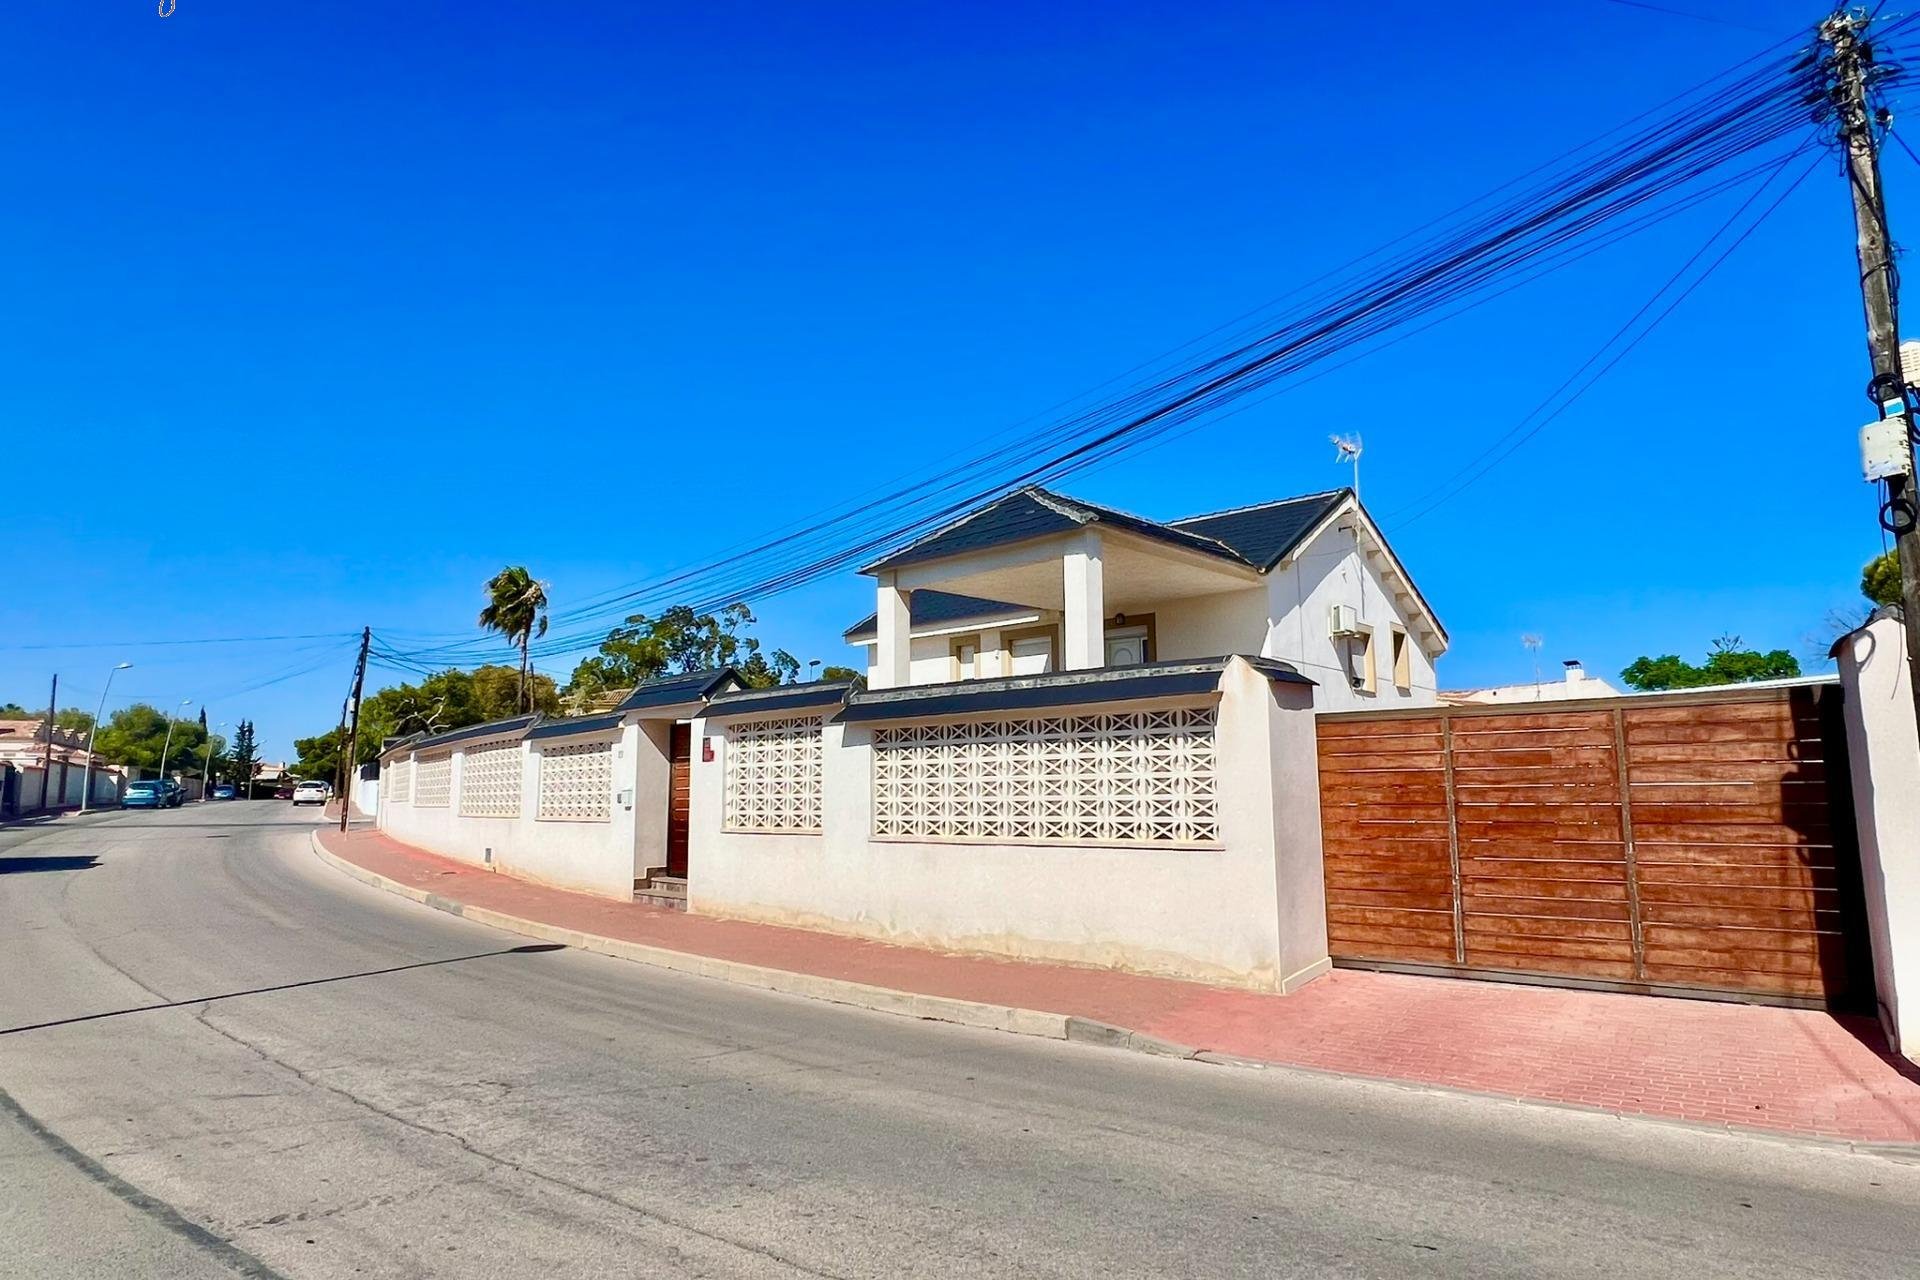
x: 185, y: 702
x: 86, y: 784
x: 207, y: 764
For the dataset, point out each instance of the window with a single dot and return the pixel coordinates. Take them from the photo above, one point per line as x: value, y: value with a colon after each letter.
x: 1402, y: 662
x: 966, y: 657
x: 399, y: 781
x: 1360, y: 664
x: 1032, y: 653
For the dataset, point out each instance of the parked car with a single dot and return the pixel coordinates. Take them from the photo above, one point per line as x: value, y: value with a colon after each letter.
x: 223, y: 792
x: 311, y: 793
x: 154, y: 793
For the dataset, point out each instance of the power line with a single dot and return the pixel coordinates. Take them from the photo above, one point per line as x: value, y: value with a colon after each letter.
x: 1622, y: 354
x: 1682, y: 13
x: 1655, y: 172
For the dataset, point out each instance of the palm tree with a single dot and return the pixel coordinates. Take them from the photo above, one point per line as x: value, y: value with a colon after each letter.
x: 517, y: 609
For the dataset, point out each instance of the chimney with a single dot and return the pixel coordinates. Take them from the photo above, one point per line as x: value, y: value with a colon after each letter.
x: 1575, y: 673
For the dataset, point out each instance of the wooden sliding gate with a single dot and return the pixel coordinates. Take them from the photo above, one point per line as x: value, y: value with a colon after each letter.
x: 1684, y: 843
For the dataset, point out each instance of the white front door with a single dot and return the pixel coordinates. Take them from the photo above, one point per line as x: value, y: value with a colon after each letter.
x: 1127, y: 647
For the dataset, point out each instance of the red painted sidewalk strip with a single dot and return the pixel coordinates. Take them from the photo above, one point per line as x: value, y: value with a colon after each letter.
x: 1785, y: 1070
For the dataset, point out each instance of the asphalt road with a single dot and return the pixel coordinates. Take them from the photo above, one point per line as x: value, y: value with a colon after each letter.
x: 434, y: 1102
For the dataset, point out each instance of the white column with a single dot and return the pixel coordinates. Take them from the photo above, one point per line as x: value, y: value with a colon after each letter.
x: 1085, y: 615
x: 1885, y: 767
x: 893, y: 654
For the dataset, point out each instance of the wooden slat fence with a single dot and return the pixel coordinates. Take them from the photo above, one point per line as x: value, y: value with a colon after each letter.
x: 1691, y: 842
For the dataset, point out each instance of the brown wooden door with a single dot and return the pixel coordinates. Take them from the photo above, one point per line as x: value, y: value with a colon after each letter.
x: 1692, y: 842
x: 679, y: 798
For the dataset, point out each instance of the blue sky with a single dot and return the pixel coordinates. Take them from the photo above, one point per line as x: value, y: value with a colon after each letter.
x: 318, y: 314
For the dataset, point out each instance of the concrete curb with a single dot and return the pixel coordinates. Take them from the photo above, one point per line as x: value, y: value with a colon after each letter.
x: 910, y: 1004
x: 1026, y: 1022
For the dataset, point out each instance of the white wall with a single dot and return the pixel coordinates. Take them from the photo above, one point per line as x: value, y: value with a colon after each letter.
x: 1331, y: 570
x: 1212, y: 626
x: 1244, y: 914
x: 592, y: 857
x: 1884, y: 756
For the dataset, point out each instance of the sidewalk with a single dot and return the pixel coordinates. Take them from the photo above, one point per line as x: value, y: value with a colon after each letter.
x: 1783, y: 1071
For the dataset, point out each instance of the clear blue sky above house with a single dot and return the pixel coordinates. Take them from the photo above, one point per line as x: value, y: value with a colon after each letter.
x: 317, y: 314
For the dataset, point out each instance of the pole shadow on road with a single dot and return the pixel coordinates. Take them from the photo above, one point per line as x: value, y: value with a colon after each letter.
x: 531, y: 948
x: 52, y: 862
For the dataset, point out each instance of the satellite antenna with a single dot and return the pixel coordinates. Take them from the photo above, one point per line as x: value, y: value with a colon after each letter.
x: 1347, y: 449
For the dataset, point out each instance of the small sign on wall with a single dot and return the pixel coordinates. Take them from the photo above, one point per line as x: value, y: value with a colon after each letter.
x: 706, y: 750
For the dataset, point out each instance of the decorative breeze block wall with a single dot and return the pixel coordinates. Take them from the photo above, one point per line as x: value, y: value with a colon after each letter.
x: 1134, y: 777
x: 576, y: 782
x: 398, y: 780
x: 490, y: 781
x: 772, y: 775
x: 433, y: 782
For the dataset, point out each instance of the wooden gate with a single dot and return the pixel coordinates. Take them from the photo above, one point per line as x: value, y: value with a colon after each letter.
x: 1679, y: 844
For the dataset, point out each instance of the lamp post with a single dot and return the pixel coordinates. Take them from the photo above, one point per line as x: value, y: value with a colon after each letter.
x: 185, y: 702
x: 86, y: 783
x: 207, y: 763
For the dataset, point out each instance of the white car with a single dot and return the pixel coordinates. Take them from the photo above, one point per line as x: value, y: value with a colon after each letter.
x: 311, y: 793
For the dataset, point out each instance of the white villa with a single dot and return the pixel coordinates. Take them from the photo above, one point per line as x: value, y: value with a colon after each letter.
x: 1037, y: 582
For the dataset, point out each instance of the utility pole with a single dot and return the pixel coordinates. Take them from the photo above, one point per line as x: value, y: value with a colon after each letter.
x: 352, y: 740
x: 1850, y: 75
x: 46, y: 769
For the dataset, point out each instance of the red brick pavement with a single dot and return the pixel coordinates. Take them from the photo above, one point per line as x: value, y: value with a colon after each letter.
x: 1783, y: 1070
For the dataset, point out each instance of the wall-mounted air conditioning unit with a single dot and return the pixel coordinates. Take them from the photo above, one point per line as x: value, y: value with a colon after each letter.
x: 1343, y: 620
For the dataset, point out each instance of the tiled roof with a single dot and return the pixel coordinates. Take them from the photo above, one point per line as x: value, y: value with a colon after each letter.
x: 511, y: 727
x: 1266, y: 533
x: 689, y: 686
x: 1036, y: 513
x: 785, y: 697
x: 576, y: 725
x: 1180, y: 678
x: 937, y: 608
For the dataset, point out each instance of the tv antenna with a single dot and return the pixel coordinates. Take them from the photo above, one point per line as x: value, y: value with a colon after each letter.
x: 1532, y: 644
x: 1347, y: 449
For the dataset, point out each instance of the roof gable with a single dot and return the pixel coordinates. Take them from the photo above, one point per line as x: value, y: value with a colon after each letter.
x: 1264, y: 534
x: 1034, y: 512
x: 673, y: 690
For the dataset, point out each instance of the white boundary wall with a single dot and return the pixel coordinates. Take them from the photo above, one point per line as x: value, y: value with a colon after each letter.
x: 592, y: 855
x: 1884, y: 755
x: 1248, y: 911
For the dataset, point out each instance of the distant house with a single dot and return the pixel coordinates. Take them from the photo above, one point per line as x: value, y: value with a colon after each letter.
x: 1575, y: 684
x: 24, y: 756
x: 1038, y: 582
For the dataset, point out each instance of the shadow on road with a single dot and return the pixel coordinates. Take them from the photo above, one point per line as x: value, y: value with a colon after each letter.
x: 531, y: 948
x: 68, y: 862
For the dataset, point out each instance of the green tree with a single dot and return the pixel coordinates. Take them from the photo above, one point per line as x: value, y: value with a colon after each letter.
x: 681, y: 640
x: 73, y: 718
x: 1727, y: 663
x: 841, y: 673
x: 1880, y: 579
x: 14, y: 711
x: 137, y: 734
x: 243, y: 757
x: 318, y: 757
x: 517, y: 609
